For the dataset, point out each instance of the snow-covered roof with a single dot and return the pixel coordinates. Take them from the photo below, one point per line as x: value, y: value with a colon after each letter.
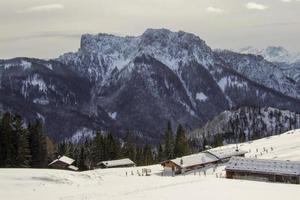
x: 208, y: 156
x: 63, y: 159
x: 195, y: 159
x: 115, y: 163
x: 226, y: 152
x: 72, y: 167
x: 264, y: 166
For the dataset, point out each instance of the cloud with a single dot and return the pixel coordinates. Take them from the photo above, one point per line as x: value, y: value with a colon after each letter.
x: 256, y: 6
x: 278, y: 24
x: 42, y: 8
x: 289, y: 1
x: 214, y: 10
x: 49, y: 34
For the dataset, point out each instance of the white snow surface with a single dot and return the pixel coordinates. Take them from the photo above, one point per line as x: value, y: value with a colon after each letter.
x: 23, y: 63
x: 201, y: 96
x: 42, y: 101
x: 26, y: 64
x: 229, y: 81
x: 113, y: 115
x: 113, y: 184
x: 82, y: 134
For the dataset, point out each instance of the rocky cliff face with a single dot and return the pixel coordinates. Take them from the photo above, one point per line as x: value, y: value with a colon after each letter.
x: 140, y: 83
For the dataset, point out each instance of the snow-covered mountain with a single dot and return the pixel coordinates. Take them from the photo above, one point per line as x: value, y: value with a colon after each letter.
x: 140, y: 83
x: 257, y: 69
x: 289, y: 63
x: 276, y: 54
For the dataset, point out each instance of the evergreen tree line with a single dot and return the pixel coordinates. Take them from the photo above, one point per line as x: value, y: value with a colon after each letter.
x: 105, y: 147
x: 22, y: 145
x: 244, y: 124
x: 173, y: 146
x: 109, y: 147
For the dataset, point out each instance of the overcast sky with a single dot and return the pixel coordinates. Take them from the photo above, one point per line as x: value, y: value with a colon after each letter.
x: 48, y: 28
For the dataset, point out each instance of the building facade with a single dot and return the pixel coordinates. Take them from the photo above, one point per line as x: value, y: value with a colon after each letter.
x: 263, y: 170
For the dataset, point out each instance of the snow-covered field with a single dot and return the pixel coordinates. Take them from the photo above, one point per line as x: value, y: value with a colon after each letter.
x: 103, y: 184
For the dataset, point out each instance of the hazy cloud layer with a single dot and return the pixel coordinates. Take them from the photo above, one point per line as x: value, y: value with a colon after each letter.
x: 42, y: 8
x: 289, y: 1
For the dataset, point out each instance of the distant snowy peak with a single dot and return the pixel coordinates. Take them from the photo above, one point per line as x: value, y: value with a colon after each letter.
x: 273, y: 54
x: 257, y: 69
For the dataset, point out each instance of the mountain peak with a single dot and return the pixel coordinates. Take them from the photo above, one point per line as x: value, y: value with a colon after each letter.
x: 170, y: 48
x: 166, y: 35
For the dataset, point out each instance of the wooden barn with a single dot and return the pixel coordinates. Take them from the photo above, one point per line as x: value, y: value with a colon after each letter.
x: 126, y: 162
x: 199, y: 160
x: 263, y: 170
x: 63, y: 162
x: 188, y: 163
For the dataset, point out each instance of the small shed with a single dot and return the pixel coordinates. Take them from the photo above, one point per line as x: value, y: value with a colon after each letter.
x: 63, y: 162
x: 126, y: 162
x: 263, y: 170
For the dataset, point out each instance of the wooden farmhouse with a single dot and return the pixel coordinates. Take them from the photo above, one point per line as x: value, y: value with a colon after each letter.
x: 126, y: 162
x: 263, y: 170
x: 199, y: 160
x: 63, y: 162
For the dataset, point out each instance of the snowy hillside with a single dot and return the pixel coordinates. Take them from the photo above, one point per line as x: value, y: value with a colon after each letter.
x: 36, y: 184
x: 247, y: 123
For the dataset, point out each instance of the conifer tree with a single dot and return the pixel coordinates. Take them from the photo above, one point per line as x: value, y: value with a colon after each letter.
x: 148, y: 155
x: 129, y: 148
x: 37, y: 143
x: 159, y: 153
x: 181, y: 145
x: 114, y: 147
x: 23, y: 155
x: 81, y: 160
x: 97, y: 148
x: 63, y: 148
x: 169, y: 142
x: 7, y: 147
x: 218, y: 140
x: 139, y: 156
